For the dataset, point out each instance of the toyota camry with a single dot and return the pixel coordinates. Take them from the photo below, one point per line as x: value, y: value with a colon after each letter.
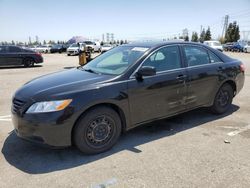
x: 133, y: 84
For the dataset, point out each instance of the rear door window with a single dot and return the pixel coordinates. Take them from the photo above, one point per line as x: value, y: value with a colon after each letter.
x: 14, y: 49
x: 2, y: 49
x: 196, y: 56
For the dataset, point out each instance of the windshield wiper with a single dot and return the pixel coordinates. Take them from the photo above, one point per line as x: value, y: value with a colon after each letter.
x: 90, y: 70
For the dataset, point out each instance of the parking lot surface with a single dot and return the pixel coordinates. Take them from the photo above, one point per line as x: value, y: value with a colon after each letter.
x: 195, y: 149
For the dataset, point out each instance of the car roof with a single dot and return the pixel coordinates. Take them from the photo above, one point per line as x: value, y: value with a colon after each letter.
x: 154, y: 44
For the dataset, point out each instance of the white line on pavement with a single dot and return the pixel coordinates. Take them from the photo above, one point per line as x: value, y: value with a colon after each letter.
x: 5, y: 119
x: 240, y: 130
x: 7, y: 116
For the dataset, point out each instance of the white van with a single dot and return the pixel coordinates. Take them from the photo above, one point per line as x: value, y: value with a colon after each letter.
x: 214, y: 44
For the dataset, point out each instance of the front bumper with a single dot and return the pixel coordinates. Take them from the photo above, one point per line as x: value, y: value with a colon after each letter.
x: 73, y: 52
x: 53, y: 129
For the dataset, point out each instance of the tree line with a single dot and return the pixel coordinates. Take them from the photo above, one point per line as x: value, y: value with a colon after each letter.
x: 52, y: 42
x: 232, y: 34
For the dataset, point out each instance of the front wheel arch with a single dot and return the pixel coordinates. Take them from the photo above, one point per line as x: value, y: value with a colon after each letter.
x: 110, y: 105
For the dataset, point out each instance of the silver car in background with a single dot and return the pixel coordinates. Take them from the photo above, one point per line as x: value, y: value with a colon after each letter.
x: 214, y: 44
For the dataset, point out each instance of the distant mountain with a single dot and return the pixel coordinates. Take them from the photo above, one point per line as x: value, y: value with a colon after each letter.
x: 76, y: 39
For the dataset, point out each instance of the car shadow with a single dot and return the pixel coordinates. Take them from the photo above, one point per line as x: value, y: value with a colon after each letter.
x: 20, y: 67
x: 34, y: 159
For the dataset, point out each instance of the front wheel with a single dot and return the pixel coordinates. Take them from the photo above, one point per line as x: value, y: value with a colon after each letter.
x: 97, y: 130
x: 223, y: 99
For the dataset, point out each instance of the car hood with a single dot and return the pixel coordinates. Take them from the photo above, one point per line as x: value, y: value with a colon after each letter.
x: 73, y: 48
x: 59, y: 83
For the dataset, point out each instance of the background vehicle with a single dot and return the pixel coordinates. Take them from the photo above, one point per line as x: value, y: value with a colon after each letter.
x: 13, y: 55
x: 106, y: 47
x: 121, y: 89
x: 97, y: 46
x: 237, y: 47
x: 75, y: 48
x: 93, y: 46
x: 58, y: 48
x: 228, y: 46
x: 43, y: 49
x: 247, y: 47
x: 214, y: 44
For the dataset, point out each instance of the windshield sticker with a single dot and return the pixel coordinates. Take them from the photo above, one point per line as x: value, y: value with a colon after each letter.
x: 140, y: 49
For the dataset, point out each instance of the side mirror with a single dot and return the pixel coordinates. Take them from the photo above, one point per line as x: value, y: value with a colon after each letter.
x: 145, y: 71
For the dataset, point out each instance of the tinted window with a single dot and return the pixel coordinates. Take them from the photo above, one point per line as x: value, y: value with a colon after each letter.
x: 196, y: 56
x: 14, y: 49
x: 2, y: 49
x: 213, y: 58
x: 166, y: 58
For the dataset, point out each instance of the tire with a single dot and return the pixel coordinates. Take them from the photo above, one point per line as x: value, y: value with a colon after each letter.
x: 223, y: 99
x: 97, y: 130
x: 28, y: 62
x: 68, y: 54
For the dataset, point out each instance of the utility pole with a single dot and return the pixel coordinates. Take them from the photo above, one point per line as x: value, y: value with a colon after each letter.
x: 29, y: 40
x: 201, y: 30
x: 225, y: 25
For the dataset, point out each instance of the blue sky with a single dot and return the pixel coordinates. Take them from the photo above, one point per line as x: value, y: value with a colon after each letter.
x: 130, y: 19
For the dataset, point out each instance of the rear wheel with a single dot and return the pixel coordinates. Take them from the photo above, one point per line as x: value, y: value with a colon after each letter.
x: 28, y: 62
x: 223, y: 99
x: 97, y: 130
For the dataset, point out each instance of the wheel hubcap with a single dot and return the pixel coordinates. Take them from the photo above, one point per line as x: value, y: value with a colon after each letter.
x: 100, y: 130
x: 223, y: 98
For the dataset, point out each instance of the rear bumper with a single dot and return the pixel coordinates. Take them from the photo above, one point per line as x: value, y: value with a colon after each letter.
x: 240, y: 79
x: 53, y: 129
x: 39, y: 59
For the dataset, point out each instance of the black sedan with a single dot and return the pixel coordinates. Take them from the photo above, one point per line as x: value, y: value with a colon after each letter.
x: 14, y: 55
x: 90, y: 106
x: 58, y: 48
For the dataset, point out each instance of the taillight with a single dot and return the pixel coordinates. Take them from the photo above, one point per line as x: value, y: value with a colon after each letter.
x: 242, y: 67
x: 37, y: 53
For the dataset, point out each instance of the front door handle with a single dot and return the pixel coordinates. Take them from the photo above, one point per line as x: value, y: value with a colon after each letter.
x: 181, y: 77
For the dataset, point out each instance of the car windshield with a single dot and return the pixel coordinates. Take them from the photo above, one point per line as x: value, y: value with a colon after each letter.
x: 57, y: 46
x: 74, y: 45
x: 115, y: 61
x: 88, y: 42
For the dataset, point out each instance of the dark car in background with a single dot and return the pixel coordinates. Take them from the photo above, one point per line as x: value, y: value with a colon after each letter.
x: 14, y: 55
x: 90, y: 106
x: 228, y: 46
x: 237, y: 47
x: 58, y: 48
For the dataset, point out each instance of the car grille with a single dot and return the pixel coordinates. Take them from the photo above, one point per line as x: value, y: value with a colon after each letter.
x: 17, y: 105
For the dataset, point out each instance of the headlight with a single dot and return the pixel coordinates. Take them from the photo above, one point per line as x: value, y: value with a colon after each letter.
x: 49, y: 106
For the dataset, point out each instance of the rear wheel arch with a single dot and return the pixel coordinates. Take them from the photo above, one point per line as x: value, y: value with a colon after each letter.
x: 114, y: 107
x: 28, y: 58
x: 232, y: 84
